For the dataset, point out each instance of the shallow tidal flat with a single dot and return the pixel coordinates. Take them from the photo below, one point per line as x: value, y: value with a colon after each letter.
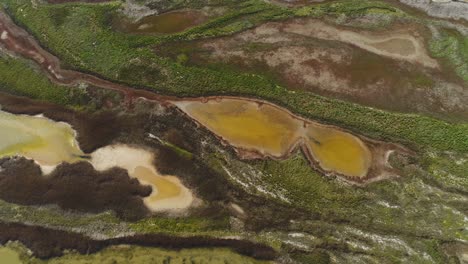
x: 51, y: 143
x: 267, y: 130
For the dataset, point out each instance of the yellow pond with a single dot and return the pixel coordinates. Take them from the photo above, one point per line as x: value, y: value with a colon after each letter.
x: 338, y: 151
x: 9, y: 256
x: 168, y: 192
x: 47, y: 142
x: 268, y: 129
x: 50, y: 143
x: 246, y: 125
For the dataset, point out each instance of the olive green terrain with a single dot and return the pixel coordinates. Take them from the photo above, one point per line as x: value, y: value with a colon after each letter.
x: 405, y: 220
x: 81, y: 36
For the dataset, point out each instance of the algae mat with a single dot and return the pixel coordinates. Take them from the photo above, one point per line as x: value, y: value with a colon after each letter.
x: 47, y: 142
x: 9, y: 256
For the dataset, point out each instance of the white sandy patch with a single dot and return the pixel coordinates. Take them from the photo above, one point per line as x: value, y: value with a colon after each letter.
x: 237, y: 208
x: 131, y: 158
x: 4, y: 35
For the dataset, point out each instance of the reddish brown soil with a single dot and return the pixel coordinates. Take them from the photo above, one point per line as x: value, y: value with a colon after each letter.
x: 47, y: 243
x: 335, y: 69
x: 19, y: 42
x: 73, y: 186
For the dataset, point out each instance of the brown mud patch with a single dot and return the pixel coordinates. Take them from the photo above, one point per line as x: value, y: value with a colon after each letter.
x: 301, y: 54
x: 402, y: 44
x: 47, y: 243
x: 456, y: 250
x: 75, y: 186
x: 167, y: 23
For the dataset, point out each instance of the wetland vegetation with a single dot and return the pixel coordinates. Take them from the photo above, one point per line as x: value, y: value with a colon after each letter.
x: 232, y: 131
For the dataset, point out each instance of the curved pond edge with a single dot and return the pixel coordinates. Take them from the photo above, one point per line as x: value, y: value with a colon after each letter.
x: 19, y: 42
x: 380, y: 151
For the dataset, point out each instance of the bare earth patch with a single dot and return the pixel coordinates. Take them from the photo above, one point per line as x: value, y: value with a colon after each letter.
x: 389, y: 70
x: 401, y: 45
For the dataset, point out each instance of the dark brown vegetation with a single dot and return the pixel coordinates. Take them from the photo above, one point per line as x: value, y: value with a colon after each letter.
x: 94, y: 130
x: 207, y: 183
x: 73, y: 186
x: 104, y: 128
x: 47, y: 243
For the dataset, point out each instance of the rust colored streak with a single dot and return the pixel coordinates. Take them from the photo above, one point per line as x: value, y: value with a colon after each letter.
x: 18, y: 41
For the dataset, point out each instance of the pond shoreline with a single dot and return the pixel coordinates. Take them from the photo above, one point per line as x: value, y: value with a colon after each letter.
x: 19, y: 42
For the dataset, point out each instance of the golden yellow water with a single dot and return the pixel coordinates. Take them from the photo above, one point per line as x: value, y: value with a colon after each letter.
x: 270, y: 130
x: 168, y: 191
x: 338, y: 151
x: 38, y: 138
x: 247, y: 125
x: 164, y: 188
x: 9, y: 256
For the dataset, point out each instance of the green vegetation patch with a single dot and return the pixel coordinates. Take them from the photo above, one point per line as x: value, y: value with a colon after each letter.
x: 137, y: 254
x: 85, y: 41
x: 389, y: 206
x: 179, y: 225
x: 52, y: 216
x: 307, y: 188
x: 17, y: 77
x: 448, y: 169
x: 351, y: 8
x: 452, y: 46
